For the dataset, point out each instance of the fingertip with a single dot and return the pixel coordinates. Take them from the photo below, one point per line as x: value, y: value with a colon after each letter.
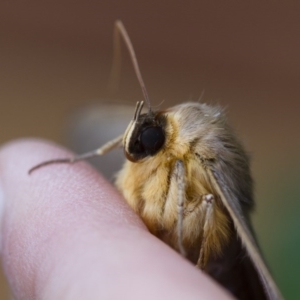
x: 52, y: 208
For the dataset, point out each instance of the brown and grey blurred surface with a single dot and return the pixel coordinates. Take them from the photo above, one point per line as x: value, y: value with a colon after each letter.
x: 56, y: 57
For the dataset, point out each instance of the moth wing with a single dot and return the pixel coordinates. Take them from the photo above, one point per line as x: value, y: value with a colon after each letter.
x: 240, y: 221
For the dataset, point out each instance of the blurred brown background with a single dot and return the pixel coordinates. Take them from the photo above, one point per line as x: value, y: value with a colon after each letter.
x: 56, y: 57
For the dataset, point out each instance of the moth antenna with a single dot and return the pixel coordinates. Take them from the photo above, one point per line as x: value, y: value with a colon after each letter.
x: 115, y: 143
x: 70, y: 160
x: 159, y: 104
x: 121, y: 31
x: 49, y: 162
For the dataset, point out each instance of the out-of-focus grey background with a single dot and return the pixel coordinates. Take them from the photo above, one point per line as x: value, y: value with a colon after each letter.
x: 55, y: 59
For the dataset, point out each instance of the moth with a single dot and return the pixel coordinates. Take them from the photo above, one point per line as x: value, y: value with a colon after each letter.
x: 188, y: 177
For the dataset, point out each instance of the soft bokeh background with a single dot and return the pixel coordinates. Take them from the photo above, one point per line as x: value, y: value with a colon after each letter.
x: 55, y: 58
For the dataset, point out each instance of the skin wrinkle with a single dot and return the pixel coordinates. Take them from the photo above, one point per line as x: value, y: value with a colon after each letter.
x: 68, y: 235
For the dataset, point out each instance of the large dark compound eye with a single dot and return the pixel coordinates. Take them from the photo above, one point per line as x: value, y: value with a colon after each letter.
x: 152, y: 139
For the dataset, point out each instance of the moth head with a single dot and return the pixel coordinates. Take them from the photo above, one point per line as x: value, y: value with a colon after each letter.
x: 145, y: 135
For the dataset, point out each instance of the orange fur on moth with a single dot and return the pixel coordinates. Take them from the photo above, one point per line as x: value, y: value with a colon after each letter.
x: 138, y: 181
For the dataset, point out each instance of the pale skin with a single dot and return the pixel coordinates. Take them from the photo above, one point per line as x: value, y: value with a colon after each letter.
x: 67, y: 234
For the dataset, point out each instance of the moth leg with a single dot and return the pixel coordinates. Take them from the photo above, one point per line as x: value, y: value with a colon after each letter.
x: 173, y: 208
x: 180, y: 176
x: 208, y: 205
x: 115, y: 143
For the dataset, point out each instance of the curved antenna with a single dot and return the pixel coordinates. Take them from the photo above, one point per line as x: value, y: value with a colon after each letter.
x: 110, y: 145
x: 120, y: 30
